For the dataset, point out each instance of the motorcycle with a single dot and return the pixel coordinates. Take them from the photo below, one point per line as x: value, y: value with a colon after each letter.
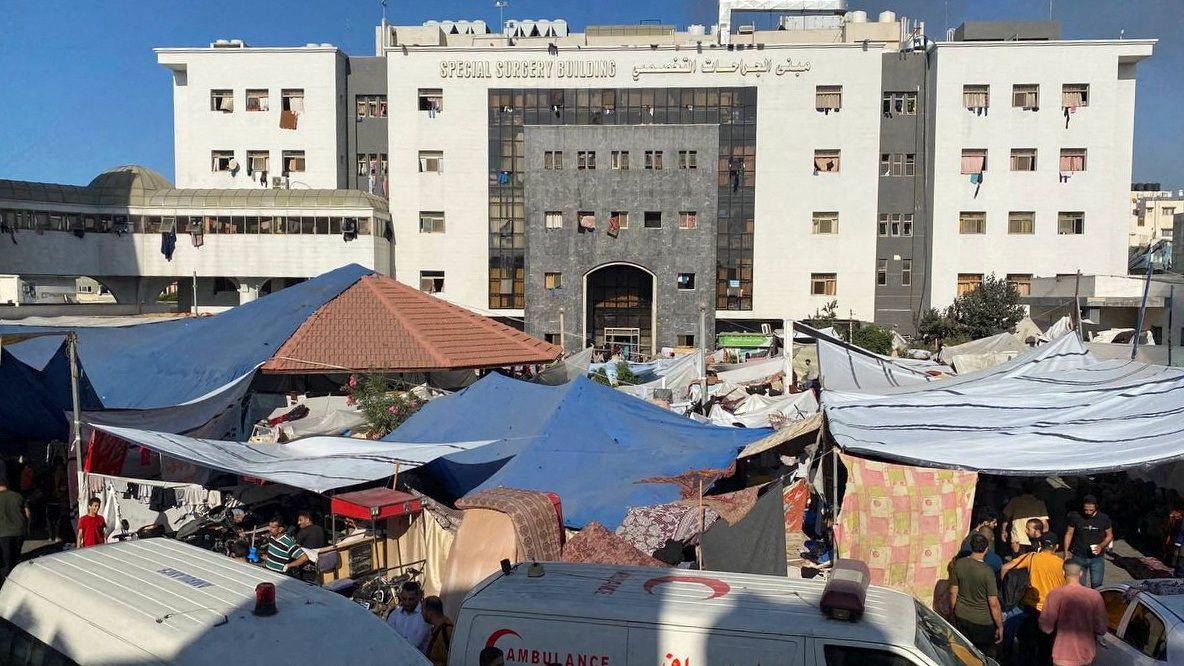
x: 377, y: 593
x: 214, y: 531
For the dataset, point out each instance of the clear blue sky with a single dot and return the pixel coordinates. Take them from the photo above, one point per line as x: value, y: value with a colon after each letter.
x: 82, y: 90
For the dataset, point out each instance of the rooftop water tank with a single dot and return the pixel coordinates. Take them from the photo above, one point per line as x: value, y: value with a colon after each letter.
x: 887, y: 17
x: 857, y: 16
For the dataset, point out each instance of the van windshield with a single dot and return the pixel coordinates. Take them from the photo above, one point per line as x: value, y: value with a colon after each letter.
x: 941, y: 643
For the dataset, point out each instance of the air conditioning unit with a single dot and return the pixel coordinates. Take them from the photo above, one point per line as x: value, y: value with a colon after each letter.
x: 279, y: 182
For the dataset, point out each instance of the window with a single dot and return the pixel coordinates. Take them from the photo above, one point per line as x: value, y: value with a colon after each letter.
x: 1146, y: 633
x: 222, y: 160
x: 968, y: 282
x: 972, y: 223
x: 431, y: 100
x: 586, y: 160
x: 1021, y: 222
x: 974, y: 160
x: 684, y: 340
x: 293, y: 161
x: 976, y: 98
x: 896, y: 224
x: 653, y: 160
x: 375, y: 163
x: 823, y: 284
x: 1023, y: 159
x: 826, y: 161
x: 1072, y: 159
x: 431, y: 222
x: 686, y: 281
x: 1071, y: 223
x: 906, y: 272
x: 20, y: 648
x: 688, y: 219
x: 1026, y: 96
x: 1074, y: 95
x: 586, y: 220
x: 551, y: 338
x: 825, y: 223
x: 898, y: 164
x: 258, y: 161
x: 293, y: 100
x: 653, y: 219
x: 431, y: 161
x: 847, y: 655
x: 553, y: 219
x: 257, y: 100
x: 688, y: 159
x: 553, y: 160
x: 431, y: 281
x: 622, y: 217
x: 552, y: 280
x: 222, y: 100
x: 370, y: 106
x: 1022, y: 282
x: 828, y: 98
x: 1115, y: 608
x: 619, y: 160
x: 881, y: 272
x: 900, y: 104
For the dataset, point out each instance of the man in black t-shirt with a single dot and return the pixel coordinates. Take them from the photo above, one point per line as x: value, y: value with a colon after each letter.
x: 309, y: 535
x: 1087, y: 537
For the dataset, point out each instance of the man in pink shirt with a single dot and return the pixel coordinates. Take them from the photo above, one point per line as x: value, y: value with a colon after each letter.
x: 1078, y: 616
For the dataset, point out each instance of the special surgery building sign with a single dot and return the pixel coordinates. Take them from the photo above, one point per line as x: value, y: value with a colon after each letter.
x: 607, y: 69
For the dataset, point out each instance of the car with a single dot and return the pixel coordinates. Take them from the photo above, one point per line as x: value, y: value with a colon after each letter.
x: 603, y: 615
x: 1146, y: 623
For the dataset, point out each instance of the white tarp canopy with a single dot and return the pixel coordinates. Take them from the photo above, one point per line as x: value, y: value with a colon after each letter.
x: 844, y: 368
x: 741, y: 373
x: 1054, y: 410
x: 676, y: 373
x: 1026, y: 328
x: 995, y: 344
x: 319, y: 464
x: 755, y: 412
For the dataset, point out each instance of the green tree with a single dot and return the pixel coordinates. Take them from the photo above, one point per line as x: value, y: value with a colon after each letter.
x: 383, y: 407
x: 826, y: 316
x: 875, y: 339
x: 937, y: 328
x: 991, y: 309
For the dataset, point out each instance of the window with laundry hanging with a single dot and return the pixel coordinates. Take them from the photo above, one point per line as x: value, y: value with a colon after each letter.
x: 1072, y: 159
x: 974, y: 160
x: 1023, y: 159
x: 622, y: 217
x: 553, y: 160
x: 972, y: 222
x: 257, y: 100
x: 431, y: 281
x: 586, y: 160
x: 976, y: 97
x: 552, y: 281
x: 293, y: 161
x: 688, y: 219
x: 258, y: 161
x: 1021, y: 222
x: 292, y: 99
x: 431, y: 222
x: 221, y: 160
x: 222, y: 100
x: 686, y: 281
x: 827, y: 161
x: 1070, y: 223
x: 1074, y: 95
x: 430, y: 100
x: 619, y: 160
x: 370, y: 106
x: 825, y: 223
x: 828, y: 98
x: 1026, y: 96
x: 824, y: 284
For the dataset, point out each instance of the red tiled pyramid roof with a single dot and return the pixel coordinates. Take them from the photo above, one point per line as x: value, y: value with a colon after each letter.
x: 380, y: 324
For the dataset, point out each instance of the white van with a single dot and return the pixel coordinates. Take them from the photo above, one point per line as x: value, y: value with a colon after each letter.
x: 593, y: 615
x: 159, y: 601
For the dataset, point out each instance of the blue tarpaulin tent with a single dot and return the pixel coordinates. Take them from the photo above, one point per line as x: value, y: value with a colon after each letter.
x: 162, y: 365
x: 588, y: 443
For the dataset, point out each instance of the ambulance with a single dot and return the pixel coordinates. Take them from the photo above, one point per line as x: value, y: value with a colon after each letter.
x: 595, y: 615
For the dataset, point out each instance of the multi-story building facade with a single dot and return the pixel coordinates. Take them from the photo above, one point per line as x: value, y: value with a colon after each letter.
x: 1152, y: 213
x: 609, y: 185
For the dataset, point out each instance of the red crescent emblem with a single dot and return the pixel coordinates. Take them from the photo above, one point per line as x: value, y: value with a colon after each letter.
x: 497, y: 635
x: 718, y: 587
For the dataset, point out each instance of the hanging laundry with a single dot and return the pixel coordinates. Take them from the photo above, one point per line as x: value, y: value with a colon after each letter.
x: 614, y: 225
x: 287, y: 120
x: 263, y: 178
x: 1067, y: 113
x: 976, y: 178
x: 503, y: 177
x: 168, y: 244
x: 588, y: 222
x: 196, y: 235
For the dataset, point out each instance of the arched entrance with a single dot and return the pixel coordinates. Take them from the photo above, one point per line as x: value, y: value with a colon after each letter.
x: 619, y: 309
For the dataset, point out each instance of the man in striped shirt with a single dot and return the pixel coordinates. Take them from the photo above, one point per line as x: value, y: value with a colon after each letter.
x: 282, y: 553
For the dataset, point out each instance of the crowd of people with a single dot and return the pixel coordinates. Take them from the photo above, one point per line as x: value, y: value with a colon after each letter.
x: 1031, y: 596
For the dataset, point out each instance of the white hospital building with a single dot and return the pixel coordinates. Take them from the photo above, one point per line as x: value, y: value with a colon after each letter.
x: 608, y: 184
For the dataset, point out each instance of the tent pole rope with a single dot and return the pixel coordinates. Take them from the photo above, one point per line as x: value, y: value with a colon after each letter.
x: 76, y: 423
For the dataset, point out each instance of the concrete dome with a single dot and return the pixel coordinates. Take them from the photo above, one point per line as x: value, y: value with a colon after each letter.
x: 127, y: 184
